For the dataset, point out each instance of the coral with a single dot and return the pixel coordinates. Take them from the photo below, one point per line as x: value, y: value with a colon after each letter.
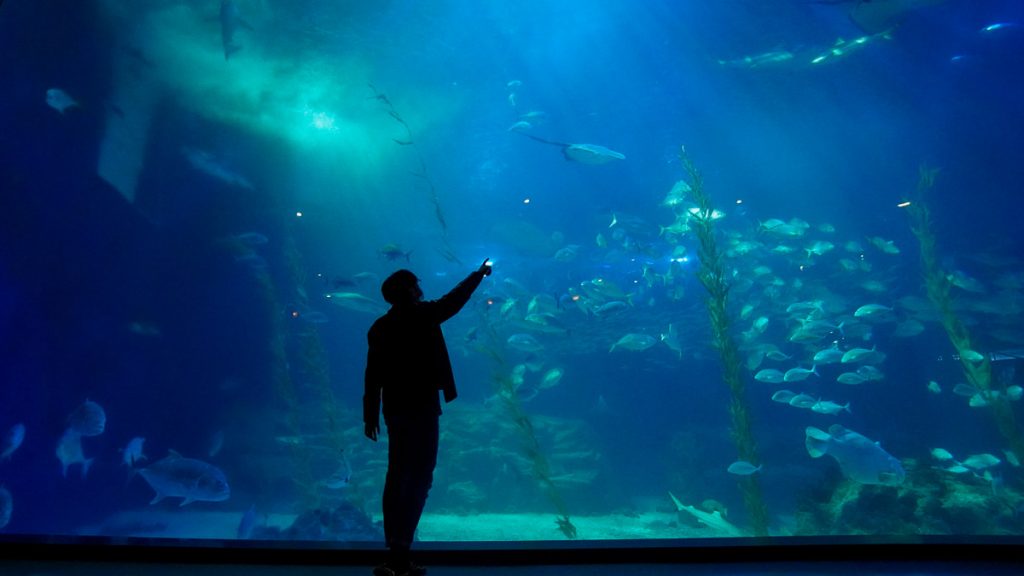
x: 712, y: 276
x: 930, y: 501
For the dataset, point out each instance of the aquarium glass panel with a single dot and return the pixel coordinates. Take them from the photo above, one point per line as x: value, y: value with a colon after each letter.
x: 752, y: 269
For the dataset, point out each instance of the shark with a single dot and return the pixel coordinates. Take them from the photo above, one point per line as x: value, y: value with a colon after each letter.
x: 583, y: 153
x: 710, y: 519
x: 230, y: 21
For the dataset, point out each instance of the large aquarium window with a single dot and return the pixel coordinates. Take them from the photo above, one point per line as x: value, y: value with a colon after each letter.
x: 756, y: 265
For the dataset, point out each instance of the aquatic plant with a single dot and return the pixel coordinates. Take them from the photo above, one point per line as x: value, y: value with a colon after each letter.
x: 712, y: 277
x: 506, y: 389
x: 448, y: 252
x: 977, y: 367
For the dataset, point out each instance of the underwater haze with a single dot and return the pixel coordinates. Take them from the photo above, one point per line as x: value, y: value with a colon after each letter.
x: 756, y: 265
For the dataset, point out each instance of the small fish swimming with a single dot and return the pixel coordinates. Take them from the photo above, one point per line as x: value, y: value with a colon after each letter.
x: 551, y: 378
x: 743, y: 468
x: 12, y: 441
x: 189, y: 479
x: 59, y: 100
x: 859, y: 458
x: 830, y: 407
x: 634, y: 342
x: 341, y: 477
x: 356, y: 302
x: 783, y: 396
x: 524, y: 342
x: 132, y: 454
x: 797, y: 374
x: 941, y: 454
x: 89, y: 419
x: 69, y: 452
x: 770, y: 375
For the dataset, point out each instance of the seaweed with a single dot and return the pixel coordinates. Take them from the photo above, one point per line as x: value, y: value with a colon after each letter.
x: 938, y: 287
x: 507, y: 392
x: 712, y: 276
x: 448, y: 252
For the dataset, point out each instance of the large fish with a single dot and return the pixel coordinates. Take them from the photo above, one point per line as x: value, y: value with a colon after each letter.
x: 859, y: 458
x: 189, y: 479
x: 583, y: 153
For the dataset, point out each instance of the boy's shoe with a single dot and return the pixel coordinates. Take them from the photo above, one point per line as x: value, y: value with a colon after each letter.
x: 405, y: 569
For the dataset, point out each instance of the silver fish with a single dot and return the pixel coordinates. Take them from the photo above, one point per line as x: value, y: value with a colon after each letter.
x: 189, y: 479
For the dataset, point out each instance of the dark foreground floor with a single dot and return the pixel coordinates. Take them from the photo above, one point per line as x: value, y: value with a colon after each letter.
x: 57, y: 568
x: 722, y: 557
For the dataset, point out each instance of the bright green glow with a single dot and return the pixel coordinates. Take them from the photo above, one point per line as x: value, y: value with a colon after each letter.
x: 319, y: 103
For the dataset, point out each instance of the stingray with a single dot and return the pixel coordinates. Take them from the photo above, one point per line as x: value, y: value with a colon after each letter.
x: 873, y: 16
x: 584, y: 153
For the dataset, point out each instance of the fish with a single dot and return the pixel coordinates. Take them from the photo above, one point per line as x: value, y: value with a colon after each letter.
x: 886, y: 246
x: 59, y: 100
x: 770, y: 58
x: 831, y: 355
x: 941, y: 454
x: 872, y: 311
x: 859, y: 458
x: 802, y: 401
x: 356, y: 302
x: 583, y: 153
x: 971, y: 356
x: 869, y: 372
x: 829, y: 407
x: 208, y: 164
x: 966, y: 390
x: 341, y: 477
x: 524, y: 343
x: 980, y: 461
x: 12, y: 441
x: 770, y: 375
x: 713, y: 520
x: 6, y: 506
x: 851, y: 378
x: 843, y: 48
x: 191, y: 480
x: 908, y: 328
x: 743, y: 468
x: 132, y: 453
x: 783, y: 396
x: 797, y: 374
x: 551, y: 378
x: 230, y: 22
x: 819, y: 248
x: 934, y: 387
x: 998, y: 26
x: 671, y: 339
x: 392, y: 252
x: 854, y: 355
x: 609, y: 308
x: 89, y: 419
x: 634, y: 342
x: 69, y: 452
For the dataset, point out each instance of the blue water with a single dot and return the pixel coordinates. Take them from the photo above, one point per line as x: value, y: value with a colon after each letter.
x: 138, y: 292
